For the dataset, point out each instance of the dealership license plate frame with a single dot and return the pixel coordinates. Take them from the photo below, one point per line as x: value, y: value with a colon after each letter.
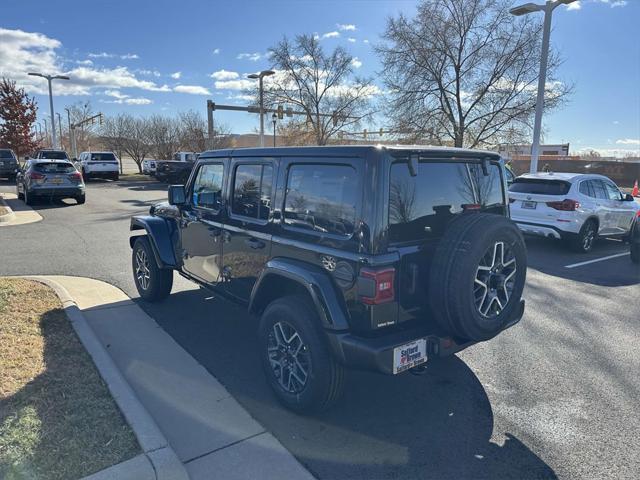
x: 529, y: 204
x: 413, y: 358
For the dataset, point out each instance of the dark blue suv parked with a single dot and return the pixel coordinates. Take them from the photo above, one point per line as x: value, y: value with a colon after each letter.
x: 367, y: 257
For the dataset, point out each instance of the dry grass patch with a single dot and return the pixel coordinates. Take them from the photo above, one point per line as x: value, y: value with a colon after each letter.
x: 57, y: 417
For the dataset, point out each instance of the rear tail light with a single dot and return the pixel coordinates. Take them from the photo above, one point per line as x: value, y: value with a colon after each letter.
x: 566, y: 205
x: 377, y: 286
x: 36, y: 176
x: 471, y: 206
x: 76, y: 177
x: 511, y: 200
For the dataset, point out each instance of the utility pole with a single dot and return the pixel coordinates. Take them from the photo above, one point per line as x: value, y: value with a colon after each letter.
x: 49, y: 78
x: 260, y: 76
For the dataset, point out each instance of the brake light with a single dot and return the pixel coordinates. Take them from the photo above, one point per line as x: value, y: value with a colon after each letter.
x: 76, y: 176
x: 566, y: 205
x: 471, y: 206
x: 36, y: 176
x: 382, y: 289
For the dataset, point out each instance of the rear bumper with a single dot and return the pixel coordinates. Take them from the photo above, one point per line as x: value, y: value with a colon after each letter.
x: 539, y: 230
x: 376, y: 354
x: 57, y: 191
x: 101, y: 173
x: 8, y: 171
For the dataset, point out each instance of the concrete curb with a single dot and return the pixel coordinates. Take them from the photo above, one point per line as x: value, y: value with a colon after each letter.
x: 7, y: 217
x: 159, y: 461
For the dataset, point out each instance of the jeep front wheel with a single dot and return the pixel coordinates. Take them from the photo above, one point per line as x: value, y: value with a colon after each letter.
x: 296, y: 358
x: 153, y: 283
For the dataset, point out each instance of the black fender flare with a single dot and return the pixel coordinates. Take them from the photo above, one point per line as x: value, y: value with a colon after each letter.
x: 329, y: 305
x: 160, y: 234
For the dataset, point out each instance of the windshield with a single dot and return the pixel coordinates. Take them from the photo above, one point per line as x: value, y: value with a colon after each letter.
x: 540, y: 187
x: 54, y: 167
x: 99, y: 157
x: 6, y: 155
x: 54, y: 155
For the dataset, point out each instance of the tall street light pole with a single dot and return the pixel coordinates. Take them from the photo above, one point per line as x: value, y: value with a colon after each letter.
x: 53, y: 119
x: 547, y: 8
x: 260, y: 76
x: 60, y: 130
x: 274, y: 119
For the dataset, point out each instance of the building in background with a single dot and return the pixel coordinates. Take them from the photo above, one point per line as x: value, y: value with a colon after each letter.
x: 523, y: 152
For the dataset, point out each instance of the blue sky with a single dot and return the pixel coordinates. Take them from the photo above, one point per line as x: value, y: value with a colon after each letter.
x: 148, y: 57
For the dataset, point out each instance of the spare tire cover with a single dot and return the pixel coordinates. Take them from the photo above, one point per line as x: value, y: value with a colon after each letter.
x: 477, y: 275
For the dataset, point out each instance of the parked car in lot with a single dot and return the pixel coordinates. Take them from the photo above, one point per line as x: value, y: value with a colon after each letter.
x: 99, y: 165
x: 576, y: 208
x: 50, y: 154
x: 149, y: 167
x: 176, y: 170
x: 50, y: 179
x: 8, y: 164
x: 634, y: 241
x: 374, y: 258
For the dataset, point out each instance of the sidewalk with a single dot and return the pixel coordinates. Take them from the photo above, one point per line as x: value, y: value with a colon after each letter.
x: 21, y: 214
x: 210, y: 432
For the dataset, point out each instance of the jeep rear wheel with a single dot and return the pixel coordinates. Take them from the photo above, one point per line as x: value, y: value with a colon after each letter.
x: 296, y: 358
x: 153, y: 283
x: 478, y: 275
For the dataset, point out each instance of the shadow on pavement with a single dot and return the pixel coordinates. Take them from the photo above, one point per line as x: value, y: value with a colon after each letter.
x: 553, y: 257
x: 438, y: 425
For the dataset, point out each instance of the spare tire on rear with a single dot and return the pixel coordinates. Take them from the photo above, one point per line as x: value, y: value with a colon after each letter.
x: 477, y: 275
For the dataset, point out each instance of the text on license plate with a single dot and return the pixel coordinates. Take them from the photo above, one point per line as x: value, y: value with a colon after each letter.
x: 528, y: 204
x: 409, y: 355
x: 56, y: 180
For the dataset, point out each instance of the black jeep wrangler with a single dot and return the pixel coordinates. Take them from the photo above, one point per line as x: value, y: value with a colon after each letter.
x: 375, y: 258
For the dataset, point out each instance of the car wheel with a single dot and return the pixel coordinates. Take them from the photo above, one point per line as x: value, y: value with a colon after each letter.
x: 587, y: 236
x: 153, y: 283
x: 477, y: 276
x: 115, y: 177
x: 85, y: 175
x: 28, y: 199
x: 19, y: 193
x: 81, y: 199
x: 296, y: 358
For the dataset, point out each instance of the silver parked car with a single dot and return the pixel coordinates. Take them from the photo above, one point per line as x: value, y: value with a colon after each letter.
x: 573, y: 207
x: 51, y: 179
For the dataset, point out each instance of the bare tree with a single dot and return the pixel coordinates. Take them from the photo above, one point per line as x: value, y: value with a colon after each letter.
x: 316, y: 82
x: 136, y: 143
x: 163, y: 135
x: 86, y: 134
x: 193, y: 133
x: 463, y: 72
x: 114, y: 134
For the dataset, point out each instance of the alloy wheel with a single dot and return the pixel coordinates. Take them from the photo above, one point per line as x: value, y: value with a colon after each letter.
x: 143, y: 274
x: 495, y: 280
x: 588, y: 238
x: 289, y: 357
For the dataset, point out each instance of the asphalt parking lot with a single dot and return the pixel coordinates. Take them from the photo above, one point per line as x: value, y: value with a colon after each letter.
x: 556, y: 396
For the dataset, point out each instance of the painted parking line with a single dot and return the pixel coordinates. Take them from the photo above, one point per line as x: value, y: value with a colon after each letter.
x: 574, y: 265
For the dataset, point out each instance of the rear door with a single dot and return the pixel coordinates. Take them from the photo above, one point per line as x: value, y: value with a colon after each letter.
x: 530, y: 196
x: 420, y: 209
x: 247, y: 230
x: 605, y: 208
x: 201, y: 224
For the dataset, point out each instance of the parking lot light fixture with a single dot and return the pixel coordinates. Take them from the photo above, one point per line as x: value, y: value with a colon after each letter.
x: 54, y: 140
x: 547, y: 8
x: 259, y: 77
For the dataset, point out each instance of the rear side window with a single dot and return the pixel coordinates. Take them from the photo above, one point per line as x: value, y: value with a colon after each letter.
x: 252, y: 191
x: 321, y: 198
x: 54, y: 168
x: 53, y: 155
x: 420, y: 207
x: 587, y: 189
x: 102, y: 157
x: 207, y: 188
x: 540, y: 186
x: 599, y: 190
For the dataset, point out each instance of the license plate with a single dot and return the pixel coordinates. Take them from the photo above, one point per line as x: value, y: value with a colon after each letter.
x: 409, y: 355
x: 56, y: 180
x: 529, y: 205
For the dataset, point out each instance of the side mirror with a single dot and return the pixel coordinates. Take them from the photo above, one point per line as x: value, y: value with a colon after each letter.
x: 177, y: 195
x: 74, y: 159
x: 628, y: 198
x: 26, y: 158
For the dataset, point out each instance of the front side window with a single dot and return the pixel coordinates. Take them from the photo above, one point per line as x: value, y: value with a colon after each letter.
x: 599, y: 190
x: 252, y: 191
x: 207, y: 188
x: 612, y: 191
x: 420, y: 207
x: 321, y: 198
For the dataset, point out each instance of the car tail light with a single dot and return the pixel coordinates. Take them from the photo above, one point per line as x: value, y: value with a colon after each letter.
x: 36, y: 176
x: 378, y: 286
x: 76, y: 177
x: 471, y: 206
x: 566, y: 205
x: 511, y: 200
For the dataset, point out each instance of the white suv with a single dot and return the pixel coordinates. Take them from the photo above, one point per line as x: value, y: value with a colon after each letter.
x: 571, y: 206
x: 99, y: 165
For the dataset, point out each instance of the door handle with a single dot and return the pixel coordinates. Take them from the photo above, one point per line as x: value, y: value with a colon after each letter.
x: 254, y: 243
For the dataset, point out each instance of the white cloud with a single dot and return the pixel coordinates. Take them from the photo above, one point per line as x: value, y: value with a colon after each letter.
x: 574, y: 6
x: 112, y: 77
x: 138, y: 101
x: 126, y: 56
x: 121, y: 98
x: 129, y: 56
x: 116, y: 94
x: 102, y: 55
x: 254, y: 57
x: 244, y: 98
x: 143, y: 71
x: 618, y: 3
x: 192, y: 89
x: 224, y: 75
x: 216, y: 51
x: 333, y: 34
x: 84, y: 62
x: 240, y: 84
x: 356, y: 63
x: 351, y: 39
x: 365, y: 41
x: 628, y: 141
x: 176, y: 75
x: 346, y: 26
